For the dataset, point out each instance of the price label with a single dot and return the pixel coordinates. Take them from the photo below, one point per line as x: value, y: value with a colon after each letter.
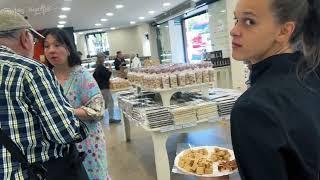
x: 189, y: 125
x: 167, y: 128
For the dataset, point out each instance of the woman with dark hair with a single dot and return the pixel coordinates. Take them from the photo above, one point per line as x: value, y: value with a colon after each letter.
x: 84, y: 95
x: 275, y: 124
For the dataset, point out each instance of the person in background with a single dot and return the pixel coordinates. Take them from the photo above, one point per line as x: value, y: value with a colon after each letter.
x: 275, y: 124
x: 119, y: 61
x: 34, y: 113
x: 120, y: 65
x: 84, y: 95
x: 102, y: 76
x: 136, y: 63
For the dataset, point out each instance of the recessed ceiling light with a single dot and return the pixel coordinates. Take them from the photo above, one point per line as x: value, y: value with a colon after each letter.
x: 109, y: 14
x: 158, y: 25
x: 113, y: 28
x: 103, y: 20
x: 62, y: 22
x: 119, y: 6
x: 65, y: 9
x: 132, y: 22
x: 62, y: 16
x: 166, y: 4
x: 97, y: 24
x: 141, y: 18
x: 60, y: 26
x: 151, y: 12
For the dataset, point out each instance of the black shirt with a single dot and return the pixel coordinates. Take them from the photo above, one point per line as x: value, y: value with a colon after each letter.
x: 118, y: 63
x: 275, y: 124
x: 102, y: 76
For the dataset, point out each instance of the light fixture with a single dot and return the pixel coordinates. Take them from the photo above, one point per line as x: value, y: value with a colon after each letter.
x: 166, y: 4
x: 158, y: 26
x: 65, y: 9
x: 151, y: 12
x: 141, y: 18
x: 166, y: 26
x: 80, y: 33
x: 60, y: 26
x: 132, y: 22
x: 223, y: 11
x: 103, y: 20
x: 119, y: 6
x: 113, y: 28
x: 97, y: 24
x: 62, y: 22
x: 109, y: 14
x: 62, y: 16
x: 99, y: 30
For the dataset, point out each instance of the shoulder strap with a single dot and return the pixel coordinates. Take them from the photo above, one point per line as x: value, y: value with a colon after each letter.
x: 12, y: 148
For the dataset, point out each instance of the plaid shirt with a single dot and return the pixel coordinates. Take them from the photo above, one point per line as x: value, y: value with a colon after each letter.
x: 33, y: 113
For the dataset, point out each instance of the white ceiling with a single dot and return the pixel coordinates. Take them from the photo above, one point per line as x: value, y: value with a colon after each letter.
x: 84, y: 14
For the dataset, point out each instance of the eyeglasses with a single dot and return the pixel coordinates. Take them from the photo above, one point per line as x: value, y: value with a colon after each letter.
x: 35, y: 40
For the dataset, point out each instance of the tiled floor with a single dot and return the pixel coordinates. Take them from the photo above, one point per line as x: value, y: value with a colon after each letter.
x: 135, y: 160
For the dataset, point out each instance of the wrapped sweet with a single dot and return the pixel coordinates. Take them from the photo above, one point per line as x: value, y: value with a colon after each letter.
x: 173, y: 81
x: 205, y: 76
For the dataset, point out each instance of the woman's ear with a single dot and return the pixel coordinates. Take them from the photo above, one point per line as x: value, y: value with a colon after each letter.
x: 286, y: 32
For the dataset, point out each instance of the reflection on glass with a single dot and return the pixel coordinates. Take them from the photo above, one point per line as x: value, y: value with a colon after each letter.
x: 164, y: 43
x: 97, y: 42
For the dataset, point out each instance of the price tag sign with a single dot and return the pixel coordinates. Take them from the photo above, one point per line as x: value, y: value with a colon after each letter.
x: 189, y: 125
x: 167, y: 128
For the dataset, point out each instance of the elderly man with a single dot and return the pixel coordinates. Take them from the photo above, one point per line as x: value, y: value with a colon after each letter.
x: 34, y: 115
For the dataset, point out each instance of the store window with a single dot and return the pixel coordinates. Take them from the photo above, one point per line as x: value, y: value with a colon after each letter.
x: 197, y: 37
x: 164, y: 44
x: 96, y: 42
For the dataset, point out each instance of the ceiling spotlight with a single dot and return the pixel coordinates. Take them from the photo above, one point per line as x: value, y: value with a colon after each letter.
x: 65, y: 9
x: 62, y: 16
x: 97, y: 24
x: 151, y: 12
x: 103, y: 20
x: 119, y: 6
x: 62, y: 22
x: 166, y: 4
x: 113, y: 28
x: 141, y: 18
x: 109, y: 14
x: 60, y: 26
x: 132, y: 22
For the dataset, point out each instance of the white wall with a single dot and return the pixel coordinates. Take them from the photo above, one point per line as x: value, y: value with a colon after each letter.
x: 219, y: 27
x: 125, y: 40
x: 128, y: 40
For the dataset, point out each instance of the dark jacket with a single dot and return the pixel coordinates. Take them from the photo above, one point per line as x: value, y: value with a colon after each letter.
x: 118, y: 63
x: 102, y: 76
x: 275, y: 124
